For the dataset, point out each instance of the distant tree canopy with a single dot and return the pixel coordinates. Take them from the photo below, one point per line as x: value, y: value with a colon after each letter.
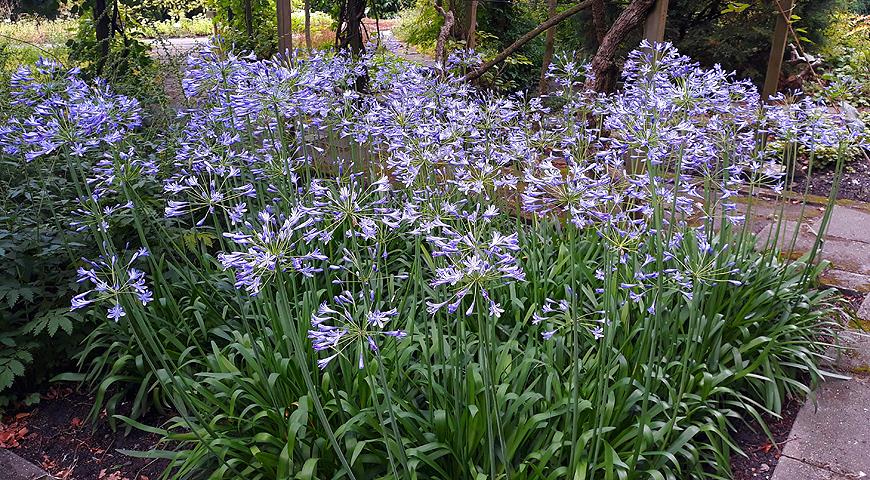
x: 44, y: 8
x: 733, y: 33
x: 737, y: 34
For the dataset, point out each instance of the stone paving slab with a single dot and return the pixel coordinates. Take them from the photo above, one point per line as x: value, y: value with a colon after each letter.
x: 791, y: 469
x: 783, y: 235
x: 854, y: 359
x: 830, y: 439
x: 13, y: 467
x: 849, y: 255
x: 864, y: 310
x: 848, y: 224
x: 849, y: 281
x: 833, y: 435
x: 846, y: 242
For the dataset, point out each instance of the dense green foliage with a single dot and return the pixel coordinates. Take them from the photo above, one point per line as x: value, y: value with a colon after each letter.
x: 737, y: 34
x: 292, y: 301
x: 37, y: 254
x: 702, y: 331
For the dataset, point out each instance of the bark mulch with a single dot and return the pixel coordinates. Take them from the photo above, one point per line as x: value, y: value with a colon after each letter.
x: 57, y: 436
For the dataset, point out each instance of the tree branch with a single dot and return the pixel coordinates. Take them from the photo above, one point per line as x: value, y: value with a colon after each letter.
x: 630, y: 18
x: 440, y: 44
x: 551, y: 22
x: 599, y: 20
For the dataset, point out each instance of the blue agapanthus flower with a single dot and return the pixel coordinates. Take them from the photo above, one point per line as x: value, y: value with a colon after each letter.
x: 113, y: 281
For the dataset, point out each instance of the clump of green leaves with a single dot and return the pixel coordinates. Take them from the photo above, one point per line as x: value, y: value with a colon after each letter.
x: 35, y: 281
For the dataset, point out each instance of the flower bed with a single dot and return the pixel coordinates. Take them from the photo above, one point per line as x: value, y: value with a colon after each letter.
x: 478, y: 286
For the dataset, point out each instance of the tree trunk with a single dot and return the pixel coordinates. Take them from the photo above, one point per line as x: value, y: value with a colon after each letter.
x: 349, y: 36
x: 440, y: 44
x: 308, y: 25
x: 353, y: 26
x: 249, y: 19
x: 103, y: 36
x: 549, y: 46
x: 599, y: 24
x: 551, y: 22
x: 471, y: 41
x: 461, y: 10
x: 599, y: 20
x: 602, y: 63
x: 285, y: 26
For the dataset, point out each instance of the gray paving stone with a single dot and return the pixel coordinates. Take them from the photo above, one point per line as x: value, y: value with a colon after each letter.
x: 834, y: 434
x: 846, y: 245
x: 848, y: 224
x: 853, y: 358
x: 791, y: 469
x: 13, y: 467
x: 847, y: 255
x: 770, y: 210
x: 849, y: 281
x: 782, y: 235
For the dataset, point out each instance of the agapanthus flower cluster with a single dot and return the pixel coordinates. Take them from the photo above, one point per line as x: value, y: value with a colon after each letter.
x: 562, y: 317
x: 113, y: 279
x: 351, y: 323
x: 350, y: 202
x: 62, y: 112
x: 274, y: 243
x: 812, y: 124
x: 315, y: 179
x: 213, y: 194
x: 476, y: 262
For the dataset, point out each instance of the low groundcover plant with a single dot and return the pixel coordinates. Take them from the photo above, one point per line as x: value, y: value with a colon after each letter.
x: 425, y: 280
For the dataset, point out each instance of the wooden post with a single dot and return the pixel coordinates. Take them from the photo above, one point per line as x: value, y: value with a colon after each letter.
x: 471, y: 41
x: 285, y: 27
x: 102, y: 19
x: 777, y: 47
x: 210, y: 14
x: 654, y: 28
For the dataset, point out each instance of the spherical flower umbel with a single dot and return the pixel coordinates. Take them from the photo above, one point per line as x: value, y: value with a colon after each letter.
x: 275, y: 243
x: 112, y: 280
x: 63, y: 112
x: 204, y: 197
x: 474, y: 265
x: 351, y: 323
x: 564, y: 316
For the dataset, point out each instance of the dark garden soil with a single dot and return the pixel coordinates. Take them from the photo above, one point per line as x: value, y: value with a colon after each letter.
x: 762, y: 454
x: 57, y: 436
x: 855, y: 184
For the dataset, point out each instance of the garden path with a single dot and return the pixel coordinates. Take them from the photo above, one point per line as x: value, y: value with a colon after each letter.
x: 846, y: 243
x: 830, y: 439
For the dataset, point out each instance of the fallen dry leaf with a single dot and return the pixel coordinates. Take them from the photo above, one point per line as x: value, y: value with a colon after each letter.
x: 10, y: 434
x: 65, y: 474
x: 57, y: 391
x: 111, y: 476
